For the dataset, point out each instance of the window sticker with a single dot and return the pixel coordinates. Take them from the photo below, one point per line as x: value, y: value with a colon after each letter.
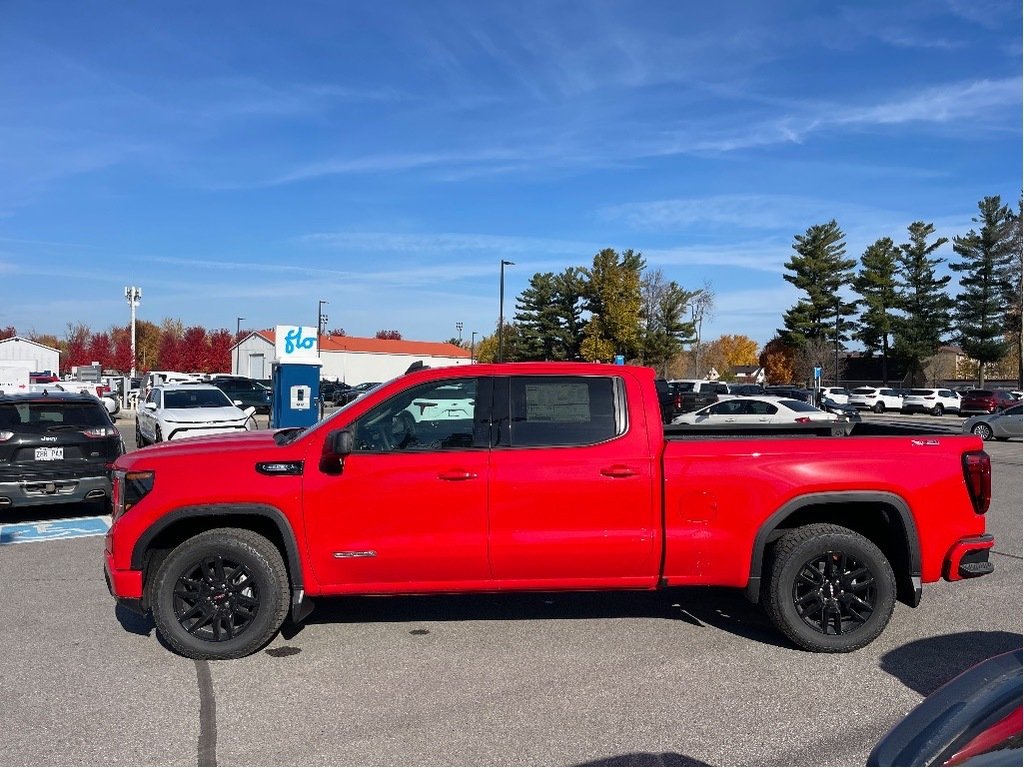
x: 566, y: 403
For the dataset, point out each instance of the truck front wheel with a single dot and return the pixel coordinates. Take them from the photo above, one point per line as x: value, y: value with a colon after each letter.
x: 221, y: 594
x: 831, y: 590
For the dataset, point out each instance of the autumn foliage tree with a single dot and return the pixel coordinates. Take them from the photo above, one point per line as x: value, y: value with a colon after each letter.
x: 777, y: 359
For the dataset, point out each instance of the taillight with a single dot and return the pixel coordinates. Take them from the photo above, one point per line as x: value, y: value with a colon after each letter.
x: 679, y: 402
x: 98, y: 432
x: 5, y: 436
x: 978, y: 476
x: 803, y: 420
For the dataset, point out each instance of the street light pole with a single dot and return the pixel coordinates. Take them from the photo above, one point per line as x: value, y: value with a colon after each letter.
x: 458, y: 327
x: 238, y: 331
x: 321, y: 323
x: 133, y: 295
x: 837, y: 341
x: 501, y: 311
x: 472, y: 348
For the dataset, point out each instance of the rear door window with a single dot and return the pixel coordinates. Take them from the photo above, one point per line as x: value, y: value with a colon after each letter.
x: 565, y: 410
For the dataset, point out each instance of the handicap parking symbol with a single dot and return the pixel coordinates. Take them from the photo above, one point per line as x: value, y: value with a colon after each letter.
x: 50, y: 530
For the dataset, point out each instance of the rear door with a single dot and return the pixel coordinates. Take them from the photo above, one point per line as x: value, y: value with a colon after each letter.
x: 572, y: 485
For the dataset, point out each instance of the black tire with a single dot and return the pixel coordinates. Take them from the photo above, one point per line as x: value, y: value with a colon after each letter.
x: 878, y: 407
x: 982, y: 430
x: 823, y: 609
x: 157, y: 435
x: 140, y: 441
x: 938, y: 410
x: 197, y: 609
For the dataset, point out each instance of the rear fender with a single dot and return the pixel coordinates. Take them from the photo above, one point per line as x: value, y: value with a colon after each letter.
x: 908, y: 583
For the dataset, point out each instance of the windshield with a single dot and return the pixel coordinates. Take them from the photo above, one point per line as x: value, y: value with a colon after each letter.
x: 42, y: 416
x: 684, y: 386
x: 195, y: 398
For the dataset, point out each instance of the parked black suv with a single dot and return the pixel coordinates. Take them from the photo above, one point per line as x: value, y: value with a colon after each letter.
x: 55, y: 448
x: 247, y: 391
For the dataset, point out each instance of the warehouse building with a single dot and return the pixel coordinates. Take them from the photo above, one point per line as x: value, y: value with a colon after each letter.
x: 349, y: 359
x: 25, y: 353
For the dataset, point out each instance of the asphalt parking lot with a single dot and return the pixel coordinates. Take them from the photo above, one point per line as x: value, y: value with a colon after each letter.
x: 682, y: 677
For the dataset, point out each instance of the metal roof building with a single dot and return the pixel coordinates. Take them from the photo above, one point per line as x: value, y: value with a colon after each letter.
x: 350, y: 359
x: 17, y: 350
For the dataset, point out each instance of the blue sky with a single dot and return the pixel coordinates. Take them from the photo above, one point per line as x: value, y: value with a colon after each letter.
x: 249, y: 158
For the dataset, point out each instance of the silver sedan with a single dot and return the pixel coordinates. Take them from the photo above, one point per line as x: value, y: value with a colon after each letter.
x: 1000, y: 426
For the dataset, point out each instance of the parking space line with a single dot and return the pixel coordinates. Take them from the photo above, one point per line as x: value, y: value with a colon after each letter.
x: 51, y: 530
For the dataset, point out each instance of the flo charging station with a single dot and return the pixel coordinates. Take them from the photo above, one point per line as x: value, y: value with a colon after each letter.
x: 296, y: 377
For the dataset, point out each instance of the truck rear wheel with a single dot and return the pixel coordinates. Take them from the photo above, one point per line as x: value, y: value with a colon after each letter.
x: 221, y: 594
x: 831, y: 590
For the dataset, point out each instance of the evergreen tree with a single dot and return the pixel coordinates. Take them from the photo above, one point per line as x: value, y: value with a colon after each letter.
x: 986, y: 279
x: 923, y: 300
x: 548, y: 317
x: 876, y: 285
x: 1015, y: 294
x: 819, y: 268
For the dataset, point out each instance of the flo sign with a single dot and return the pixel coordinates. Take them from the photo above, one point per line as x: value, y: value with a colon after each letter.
x: 295, y: 344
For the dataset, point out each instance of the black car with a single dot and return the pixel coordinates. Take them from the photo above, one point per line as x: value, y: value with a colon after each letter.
x: 346, y: 396
x: 55, y: 448
x: 248, y: 392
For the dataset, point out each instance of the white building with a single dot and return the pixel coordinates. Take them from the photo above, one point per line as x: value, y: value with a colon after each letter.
x: 18, y: 351
x: 349, y: 359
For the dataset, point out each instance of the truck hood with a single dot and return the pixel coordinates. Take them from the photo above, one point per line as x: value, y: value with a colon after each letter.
x: 199, y: 448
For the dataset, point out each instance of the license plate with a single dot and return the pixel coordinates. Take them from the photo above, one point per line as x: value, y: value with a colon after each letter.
x: 49, y: 454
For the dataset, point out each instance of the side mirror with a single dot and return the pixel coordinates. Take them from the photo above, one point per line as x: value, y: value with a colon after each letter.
x: 337, y: 446
x: 150, y: 406
x: 237, y: 402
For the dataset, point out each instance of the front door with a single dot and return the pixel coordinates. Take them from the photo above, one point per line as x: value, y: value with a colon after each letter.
x: 408, y: 510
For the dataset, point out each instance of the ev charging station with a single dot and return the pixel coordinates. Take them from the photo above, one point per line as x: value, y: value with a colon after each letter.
x: 296, y: 378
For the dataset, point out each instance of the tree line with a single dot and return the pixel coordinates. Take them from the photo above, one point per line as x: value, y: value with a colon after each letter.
x: 168, y: 346
x: 898, y: 307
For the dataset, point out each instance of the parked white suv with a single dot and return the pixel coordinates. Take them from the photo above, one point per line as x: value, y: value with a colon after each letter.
x: 839, y: 395
x: 933, y: 401
x: 877, y: 399
x: 176, y: 411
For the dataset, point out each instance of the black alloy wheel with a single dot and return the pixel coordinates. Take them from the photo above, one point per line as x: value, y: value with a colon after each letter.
x: 830, y: 589
x: 834, y: 593
x: 982, y: 430
x: 878, y: 407
x: 216, y: 598
x: 937, y: 410
x: 157, y: 437
x: 221, y: 594
x: 140, y: 441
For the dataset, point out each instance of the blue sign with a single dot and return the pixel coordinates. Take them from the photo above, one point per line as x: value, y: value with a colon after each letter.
x: 620, y: 359
x: 295, y: 344
x: 48, y: 530
x: 817, y: 372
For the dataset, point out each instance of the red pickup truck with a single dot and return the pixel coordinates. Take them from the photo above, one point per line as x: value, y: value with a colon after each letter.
x: 537, y: 476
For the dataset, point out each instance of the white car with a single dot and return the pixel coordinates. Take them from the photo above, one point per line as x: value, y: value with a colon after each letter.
x: 933, y: 401
x: 177, y: 411
x: 109, y: 400
x: 877, y: 399
x: 763, y: 409
x: 839, y: 395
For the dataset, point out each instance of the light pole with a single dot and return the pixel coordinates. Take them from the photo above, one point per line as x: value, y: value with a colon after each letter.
x: 501, y: 311
x: 837, y: 340
x: 321, y: 323
x: 472, y: 348
x: 458, y: 327
x: 134, y: 295
x: 238, y: 332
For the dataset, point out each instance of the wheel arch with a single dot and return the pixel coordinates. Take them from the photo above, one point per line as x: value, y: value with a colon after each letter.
x: 883, y: 518
x: 183, y: 523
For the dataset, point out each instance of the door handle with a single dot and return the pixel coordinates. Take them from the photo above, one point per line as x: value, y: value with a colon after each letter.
x: 618, y: 470
x: 457, y: 474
